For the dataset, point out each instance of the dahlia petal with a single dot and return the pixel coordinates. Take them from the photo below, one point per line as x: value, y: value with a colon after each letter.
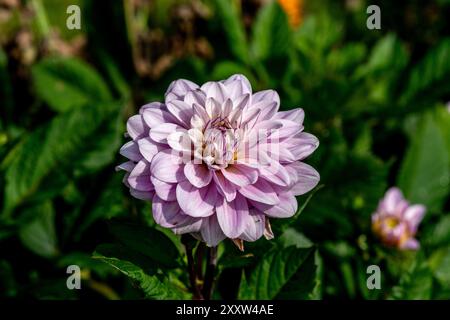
x: 139, y: 178
x: 136, y: 127
x: 307, y: 178
x: 196, y: 202
x: 227, y: 106
x: 180, y: 141
x: 240, y: 174
x: 166, y: 191
x: 182, y: 111
x: 285, y: 209
x: 232, y: 216
x: 215, y: 90
x: 167, y: 167
x: 213, y: 108
x: 260, y: 191
x: 148, y: 148
x: 268, y: 233
x: 168, y: 214
x: 154, y: 117
x: 151, y: 106
x: 268, y: 109
x: 301, y: 145
x: 195, y: 97
x: 275, y: 173
x: 296, y: 115
x: 392, y: 198
x: 142, y: 195
x: 237, y: 85
x: 131, y: 151
x: 225, y: 187
x: 197, y: 174
x: 179, y: 88
x: 413, y: 216
x: 211, y: 232
x: 160, y: 132
x: 270, y: 95
x: 126, y: 166
x: 194, y: 225
x: 410, y: 244
x: 242, y: 101
x: 255, y: 225
x: 249, y: 118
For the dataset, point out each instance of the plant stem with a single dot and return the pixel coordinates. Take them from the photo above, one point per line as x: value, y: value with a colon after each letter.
x: 210, y: 272
x: 191, y: 269
x: 200, y: 253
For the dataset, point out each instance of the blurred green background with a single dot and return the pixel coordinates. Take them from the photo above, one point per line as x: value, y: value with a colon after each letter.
x: 376, y: 99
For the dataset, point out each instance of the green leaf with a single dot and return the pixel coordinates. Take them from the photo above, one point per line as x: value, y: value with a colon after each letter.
x: 154, y: 286
x: 387, y: 55
x: 414, y: 285
x: 233, y: 28
x: 426, y: 162
x: 109, y: 204
x: 147, y: 241
x: 440, y: 266
x: 53, y: 150
x: 85, y: 262
x: 430, y: 76
x: 288, y: 273
x: 271, y: 36
x: 39, y: 235
x: 67, y: 83
x: 438, y: 234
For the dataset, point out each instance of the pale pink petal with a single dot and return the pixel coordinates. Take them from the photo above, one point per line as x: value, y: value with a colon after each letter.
x: 286, y: 208
x: 261, y: 191
x: 196, y: 202
x: 413, y: 216
x: 131, y: 151
x: 164, y: 190
x: 392, y: 198
x: 167, y: 167
x: 275, y: 172
x: 232, y: 216
x: 254, y: 226
x: 198, y: 174
x: 240, y: 174
x: 139, y: 178
x: 182, y: 111
x: 195, y: 97
x: 179, y: 88
x: 211, y: 232
x: 225, y: 187
x: 160, y: 133
x: 295, y: 115
x: 301, y: 145
x: 148, y: 148
x: 136, y: 127
x: 168, y: 214
x: 215, y: 90
x: 126, y: 166
x: 306, y: 178
x: 153, y: 117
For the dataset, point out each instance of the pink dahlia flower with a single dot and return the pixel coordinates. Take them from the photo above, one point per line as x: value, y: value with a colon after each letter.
x: 396, y: 221
x: 218, y: 160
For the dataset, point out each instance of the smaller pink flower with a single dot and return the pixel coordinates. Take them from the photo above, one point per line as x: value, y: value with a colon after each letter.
x: 396, y: 221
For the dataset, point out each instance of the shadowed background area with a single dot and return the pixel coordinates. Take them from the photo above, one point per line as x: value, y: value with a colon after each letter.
x: 376, y: 99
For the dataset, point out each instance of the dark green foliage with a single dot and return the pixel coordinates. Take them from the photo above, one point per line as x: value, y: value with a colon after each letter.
x: 375, y: 99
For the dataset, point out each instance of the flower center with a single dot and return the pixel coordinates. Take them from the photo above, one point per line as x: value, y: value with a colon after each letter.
x: 220, y: 143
